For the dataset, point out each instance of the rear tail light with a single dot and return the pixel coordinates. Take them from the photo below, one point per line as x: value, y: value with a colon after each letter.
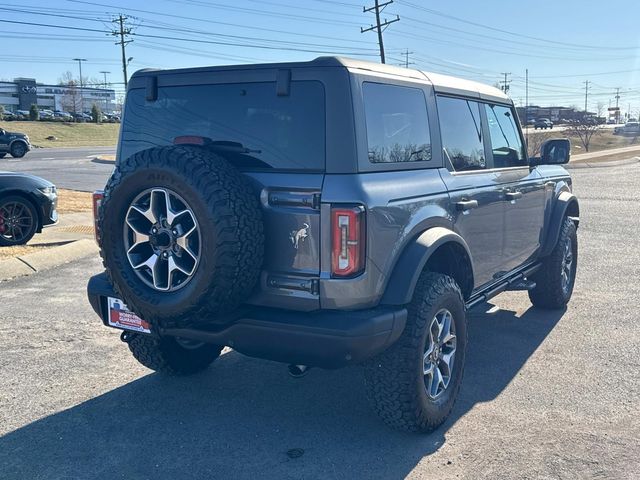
x: 98, y: 196
x: 347, y: 241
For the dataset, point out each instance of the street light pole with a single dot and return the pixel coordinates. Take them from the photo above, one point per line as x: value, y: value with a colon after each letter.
x: 80, y: 60
x: 106, y: 99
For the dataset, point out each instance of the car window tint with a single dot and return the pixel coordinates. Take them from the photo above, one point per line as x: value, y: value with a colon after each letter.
x: 461, y: 129
x: 265, y: 130
x: 506, y: 144
x: 397, y: 123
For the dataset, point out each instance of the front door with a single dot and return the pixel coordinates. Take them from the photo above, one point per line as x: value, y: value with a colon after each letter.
x: 522, y: 188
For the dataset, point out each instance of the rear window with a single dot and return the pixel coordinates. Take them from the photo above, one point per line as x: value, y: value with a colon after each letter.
x: 397, y: 123
x: 281, y: 132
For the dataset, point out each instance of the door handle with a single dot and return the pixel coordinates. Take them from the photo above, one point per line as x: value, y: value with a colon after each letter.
x: 550, y: 185
x: 466, y: 205
x: 513, y: 195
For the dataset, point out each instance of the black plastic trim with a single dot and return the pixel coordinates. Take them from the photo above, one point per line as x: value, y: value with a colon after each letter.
x: 324, y: 338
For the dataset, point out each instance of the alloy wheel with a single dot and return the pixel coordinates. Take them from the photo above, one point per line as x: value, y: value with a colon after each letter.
x: 16, y: 221
x: 439, y: 355
x: 162, y: 239
x: 567, y: 264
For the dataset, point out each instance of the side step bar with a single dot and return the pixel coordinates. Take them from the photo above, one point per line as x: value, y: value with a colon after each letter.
x: 519, y: 281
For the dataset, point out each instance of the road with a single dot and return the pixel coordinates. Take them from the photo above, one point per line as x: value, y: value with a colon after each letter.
x: 66, y: 167
x: 549, y: 395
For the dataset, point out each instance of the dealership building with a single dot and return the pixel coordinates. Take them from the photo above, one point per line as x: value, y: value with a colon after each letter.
x: 24, y: 92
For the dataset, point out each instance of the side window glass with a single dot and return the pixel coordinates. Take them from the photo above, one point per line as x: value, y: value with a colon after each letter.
x: 506, y: 144
x: 461, y: 128
x: 397, y: 123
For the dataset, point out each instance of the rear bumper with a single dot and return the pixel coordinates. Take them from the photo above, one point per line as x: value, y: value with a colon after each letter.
x: 325, y: 338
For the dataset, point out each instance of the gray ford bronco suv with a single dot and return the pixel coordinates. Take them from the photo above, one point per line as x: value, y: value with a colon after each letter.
x: 324, y: 214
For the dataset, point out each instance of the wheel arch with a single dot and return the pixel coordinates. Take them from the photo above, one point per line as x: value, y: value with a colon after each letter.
x: 437, y: 249
x: 18, y: 140
x: 566, y: 205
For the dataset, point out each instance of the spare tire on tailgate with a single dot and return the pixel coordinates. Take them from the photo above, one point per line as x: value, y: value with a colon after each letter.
x: 182, y: 235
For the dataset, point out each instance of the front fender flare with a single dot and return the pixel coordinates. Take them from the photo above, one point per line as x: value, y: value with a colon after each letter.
x: 412, y: 261
x: 566, y: 204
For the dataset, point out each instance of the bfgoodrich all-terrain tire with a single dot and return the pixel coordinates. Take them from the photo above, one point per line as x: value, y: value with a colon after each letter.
x: 556, y: 278
x: 195, y: 221
x: 172, y: 356
x: 406, y: 384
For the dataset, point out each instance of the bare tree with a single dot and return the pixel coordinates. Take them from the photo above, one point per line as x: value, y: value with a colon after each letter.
x: 72, y: 97
x: 584, y: 130
x: 600, y: 109
x: 535, y: 141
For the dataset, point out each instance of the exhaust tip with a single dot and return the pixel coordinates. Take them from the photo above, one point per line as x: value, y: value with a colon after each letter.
x: 298, y: 371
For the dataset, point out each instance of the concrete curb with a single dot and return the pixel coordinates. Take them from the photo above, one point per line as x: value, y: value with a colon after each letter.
x: 613, y: 163
x: 46, y: 259
x: 102, y: 160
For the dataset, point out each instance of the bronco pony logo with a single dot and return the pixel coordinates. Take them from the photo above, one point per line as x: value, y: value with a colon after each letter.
x: 297, y: 236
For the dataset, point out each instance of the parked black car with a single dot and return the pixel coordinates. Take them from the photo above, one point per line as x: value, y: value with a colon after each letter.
x: 14, y: 143
x: 27, y: 204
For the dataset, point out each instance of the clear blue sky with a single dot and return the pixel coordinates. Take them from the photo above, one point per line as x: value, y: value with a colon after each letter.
x: 562, y: 43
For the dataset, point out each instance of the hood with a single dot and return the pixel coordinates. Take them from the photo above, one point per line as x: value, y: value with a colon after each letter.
x: 24, y: 177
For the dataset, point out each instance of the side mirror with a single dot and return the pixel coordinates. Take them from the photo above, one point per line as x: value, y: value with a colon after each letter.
x: 554, y: 152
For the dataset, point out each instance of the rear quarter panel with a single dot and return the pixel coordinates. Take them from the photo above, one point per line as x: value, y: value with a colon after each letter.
x: 399, y: 206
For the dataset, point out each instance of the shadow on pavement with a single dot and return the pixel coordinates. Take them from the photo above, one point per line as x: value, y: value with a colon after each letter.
x: 241, y: 417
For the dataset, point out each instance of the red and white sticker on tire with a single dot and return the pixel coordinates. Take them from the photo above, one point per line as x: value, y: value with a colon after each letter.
x: 121, y: 317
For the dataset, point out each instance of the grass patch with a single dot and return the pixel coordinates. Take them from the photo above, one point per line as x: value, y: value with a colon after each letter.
x: 604, y: 140
x: 70, y: 201
x: 67, y: 134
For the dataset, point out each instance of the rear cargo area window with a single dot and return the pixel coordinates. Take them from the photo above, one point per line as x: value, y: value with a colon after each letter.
x: 266, y: 130
x: 397, y: 123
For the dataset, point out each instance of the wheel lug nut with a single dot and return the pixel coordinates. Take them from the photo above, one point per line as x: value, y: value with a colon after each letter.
x: 174, y: 231
x: 165, y: 254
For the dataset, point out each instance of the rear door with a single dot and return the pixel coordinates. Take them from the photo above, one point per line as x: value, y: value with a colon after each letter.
x: 473, y: 187
x: 522, y: 188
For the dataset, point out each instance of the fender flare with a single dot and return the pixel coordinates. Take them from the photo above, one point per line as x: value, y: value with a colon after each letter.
x: 416, y: 254
x: 566, y: 204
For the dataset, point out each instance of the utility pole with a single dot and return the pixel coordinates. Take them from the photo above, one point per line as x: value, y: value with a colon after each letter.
x: 106, y: 99
x: 406, y: 54
x: 526, y: 105
x: 123, y: 32
x: 379, y: 27
x: 80, y: 60
x: 505, y: 84
x: 586, y: 96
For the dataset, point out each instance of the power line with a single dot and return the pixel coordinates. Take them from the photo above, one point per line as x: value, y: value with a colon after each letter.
x: 507, y: 32
x: 379, y: 27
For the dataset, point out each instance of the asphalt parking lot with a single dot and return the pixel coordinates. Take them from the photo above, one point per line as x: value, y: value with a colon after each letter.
x: 545, y: 395
x: 70, y: 167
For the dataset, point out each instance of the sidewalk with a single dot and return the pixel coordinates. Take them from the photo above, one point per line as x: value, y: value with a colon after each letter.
x: 635, y: 149
x: 70, y: 227
x: 70, y: 239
